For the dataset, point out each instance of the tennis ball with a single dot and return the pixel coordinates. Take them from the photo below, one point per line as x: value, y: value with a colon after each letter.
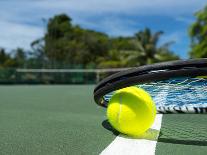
x: 131, y: 111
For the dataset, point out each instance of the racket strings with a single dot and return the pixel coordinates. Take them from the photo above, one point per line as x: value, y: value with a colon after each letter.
x: 177, y: 95
x: 179, y: 92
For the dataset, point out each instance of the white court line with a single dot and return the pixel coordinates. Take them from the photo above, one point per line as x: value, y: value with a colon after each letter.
x: 130, y: 146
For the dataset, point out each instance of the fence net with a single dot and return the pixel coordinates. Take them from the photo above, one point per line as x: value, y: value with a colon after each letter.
x: 54, y: 76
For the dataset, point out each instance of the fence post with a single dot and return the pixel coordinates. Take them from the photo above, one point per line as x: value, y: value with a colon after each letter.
x: 97, y: 76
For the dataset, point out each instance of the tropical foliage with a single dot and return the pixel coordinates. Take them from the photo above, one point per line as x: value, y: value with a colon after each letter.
x: 198, y: 34
x: 66, y: 45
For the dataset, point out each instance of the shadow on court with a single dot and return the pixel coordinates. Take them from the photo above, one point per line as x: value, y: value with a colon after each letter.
x: 108, y: 126
x: 184, y: 129
x: 160, y: 136
x: 150, y: 134
x: 181, y: 141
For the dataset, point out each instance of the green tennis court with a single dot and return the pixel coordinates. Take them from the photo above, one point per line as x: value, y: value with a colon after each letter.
x: 60, y: 119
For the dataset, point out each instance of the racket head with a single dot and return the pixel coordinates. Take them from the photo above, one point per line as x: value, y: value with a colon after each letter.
x: 176, y: 87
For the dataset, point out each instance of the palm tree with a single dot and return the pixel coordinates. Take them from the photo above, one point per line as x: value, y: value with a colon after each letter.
x: 147, y: 50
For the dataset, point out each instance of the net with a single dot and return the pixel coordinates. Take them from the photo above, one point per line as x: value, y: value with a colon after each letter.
x: 55, y: 76
x: 7, y: 76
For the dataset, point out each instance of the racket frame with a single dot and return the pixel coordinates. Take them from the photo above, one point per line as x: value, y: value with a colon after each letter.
x: 149, y: 73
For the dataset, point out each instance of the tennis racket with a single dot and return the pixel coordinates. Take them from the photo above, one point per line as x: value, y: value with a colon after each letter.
x: 175, y: 86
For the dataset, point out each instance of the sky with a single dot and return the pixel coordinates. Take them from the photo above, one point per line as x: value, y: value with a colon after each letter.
x: 21, y: 21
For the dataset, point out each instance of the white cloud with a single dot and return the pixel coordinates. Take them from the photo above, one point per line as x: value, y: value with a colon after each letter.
x: 18, y: 35
x: 179, y: 39
x: 174, y: 37
x: 113, y: 25
x: 20, y: 21
x: 181, y: 43
x: 186, y: 20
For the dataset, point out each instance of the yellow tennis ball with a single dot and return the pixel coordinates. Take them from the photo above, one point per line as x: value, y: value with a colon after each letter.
x: 131, y: 111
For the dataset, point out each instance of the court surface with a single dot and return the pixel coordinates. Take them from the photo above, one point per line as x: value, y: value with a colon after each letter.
x: 64, y: 119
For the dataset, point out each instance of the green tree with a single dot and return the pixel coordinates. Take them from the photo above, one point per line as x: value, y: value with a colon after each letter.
x: 138, y: 50
x: 3, y: 57
x: 113, y: 59
x: 69, y: 44
x: 122, y: 43
x: 37, y: 57
x: 5, y: 60
x: 116, y: 55
x: 56, y: 39
x: 65, y: 44
x: 96, y: 45
x: 20, y: 57
x: 198, y: 34
x: 147, y: 50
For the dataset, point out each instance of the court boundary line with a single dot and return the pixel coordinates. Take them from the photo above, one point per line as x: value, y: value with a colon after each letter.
x: 123, y: 145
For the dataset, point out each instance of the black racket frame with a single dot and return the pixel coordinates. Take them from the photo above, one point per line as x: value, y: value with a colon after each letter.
x: 149, y: 73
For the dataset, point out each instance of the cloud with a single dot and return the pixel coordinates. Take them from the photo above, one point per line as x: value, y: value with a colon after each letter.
x: 112, y: 25
x: 174, y: 36
x: 18, y: 35
x: 181, y: 42
x: 186, y: 20
x: 21, y: 21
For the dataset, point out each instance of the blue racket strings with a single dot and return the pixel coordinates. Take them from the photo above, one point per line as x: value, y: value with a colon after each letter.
x: 176, y: 92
